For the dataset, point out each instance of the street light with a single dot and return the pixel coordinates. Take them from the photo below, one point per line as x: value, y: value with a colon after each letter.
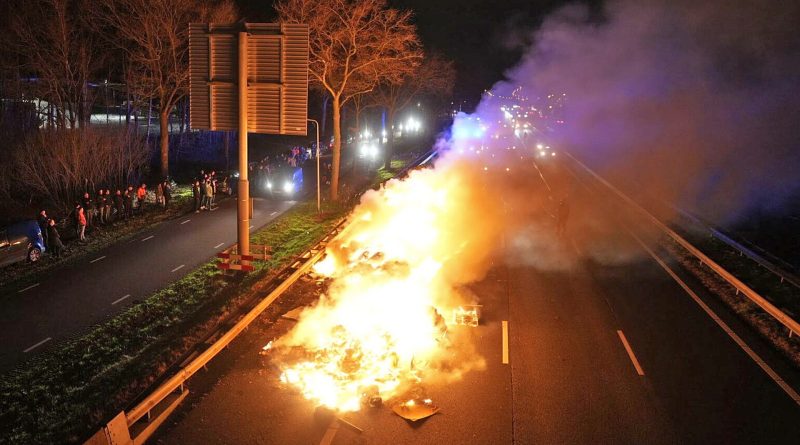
x: 319, y: 199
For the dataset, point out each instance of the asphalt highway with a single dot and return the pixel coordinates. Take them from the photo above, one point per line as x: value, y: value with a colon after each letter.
x: 67, y: 301
x: 604, y: 350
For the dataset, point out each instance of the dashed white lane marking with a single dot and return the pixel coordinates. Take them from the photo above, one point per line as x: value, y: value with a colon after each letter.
x: 273, y: 213
x: 178, y: 268
x: 149, y: 237
x: 738, y: 340
x: 97, y: 259
x: 213, y: 209
x: 31, y: 348
x: 218, y: 245
x: 28, y: 288
x: 505, y: 342
x: 120, y: 299
x: 251, y: 227
x: 185, y: 221
x: 628, y: 348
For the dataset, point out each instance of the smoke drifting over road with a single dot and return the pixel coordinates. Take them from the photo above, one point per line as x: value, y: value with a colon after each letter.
x: 689, y: 103
x: 692, y: 102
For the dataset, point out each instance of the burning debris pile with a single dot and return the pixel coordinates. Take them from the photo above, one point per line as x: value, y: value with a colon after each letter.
x: 386, y: 324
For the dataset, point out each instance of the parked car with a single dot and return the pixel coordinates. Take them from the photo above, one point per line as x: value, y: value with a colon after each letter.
x: 21, y: 241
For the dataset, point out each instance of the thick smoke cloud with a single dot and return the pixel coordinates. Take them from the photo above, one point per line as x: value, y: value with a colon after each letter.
x: 695, y: 103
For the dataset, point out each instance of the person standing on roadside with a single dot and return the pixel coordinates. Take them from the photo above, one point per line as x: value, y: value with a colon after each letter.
x: 108, y: 202
x: 196, y: 195
x: 213, y: 188
x: 88, y: 207
x: 43, y: 224
x: 141, y: 194
x: 100, y: 205
x: 209, y: 194
x: 80, y: 222
x: 129, y: 192
x: 160, y: 193
x: 119, y: 205
x: 167, y: 192
x: 55, y: 245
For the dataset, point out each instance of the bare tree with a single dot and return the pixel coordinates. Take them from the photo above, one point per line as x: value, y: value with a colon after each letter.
x: 57, y: 164
x: 433, y: 78
x: 154, y: 36
x: 359, y: 104
x: 58, y: 52
x: 354, y: 46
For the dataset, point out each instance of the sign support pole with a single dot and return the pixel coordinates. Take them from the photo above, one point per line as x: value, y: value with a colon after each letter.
x: 243, y: 200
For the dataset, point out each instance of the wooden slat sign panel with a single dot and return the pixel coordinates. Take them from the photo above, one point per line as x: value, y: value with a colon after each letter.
x: 277, y: 90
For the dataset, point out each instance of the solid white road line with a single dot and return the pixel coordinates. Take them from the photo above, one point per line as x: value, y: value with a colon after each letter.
x: 27, y: 288
x: 185, y: 221
x: 218, y: 245
x: 149, y: 237
x: 273, y: 213
x: 97, y: 259
x: 636, y: 364
x: 120, y: 299
x: 505, y: 342
x: 37, y: 345
x: 178, y: 268
x: 738, y: 340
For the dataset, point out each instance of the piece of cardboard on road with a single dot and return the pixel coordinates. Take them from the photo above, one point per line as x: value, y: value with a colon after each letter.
x: 415, y: 410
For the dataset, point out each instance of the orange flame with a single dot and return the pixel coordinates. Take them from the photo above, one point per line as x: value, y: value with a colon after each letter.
x: 395, y: 270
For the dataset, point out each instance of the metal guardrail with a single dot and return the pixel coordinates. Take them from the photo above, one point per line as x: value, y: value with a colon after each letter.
x: 201, y: 360
x: 784, y: 319
x: 780, y: 272
x: 118, y: 430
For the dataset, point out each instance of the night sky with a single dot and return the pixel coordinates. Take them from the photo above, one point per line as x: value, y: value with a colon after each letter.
x: 483, y: 37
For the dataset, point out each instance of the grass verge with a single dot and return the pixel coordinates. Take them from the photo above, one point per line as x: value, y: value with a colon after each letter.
x: 764, y: 324
x: 784, y: 295
x: 63, y: 395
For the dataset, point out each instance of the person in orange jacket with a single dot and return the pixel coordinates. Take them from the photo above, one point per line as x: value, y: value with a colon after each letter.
x: 80, y: 222
x: 141, y: 193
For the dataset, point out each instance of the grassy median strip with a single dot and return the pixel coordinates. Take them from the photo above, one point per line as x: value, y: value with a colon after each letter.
x: 63, y: 395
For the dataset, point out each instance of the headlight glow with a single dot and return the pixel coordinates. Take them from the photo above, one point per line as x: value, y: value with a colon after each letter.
x: 288, y: 187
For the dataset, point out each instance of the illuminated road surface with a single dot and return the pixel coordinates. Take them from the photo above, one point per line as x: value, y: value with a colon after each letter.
x: 611, y: 352
x: 85, y: 292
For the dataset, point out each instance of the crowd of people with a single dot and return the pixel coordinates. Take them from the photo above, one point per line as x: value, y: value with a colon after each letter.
x: 204, y: 188
x: 107, y: 208
x: 103, y: 209
x: 261, y: 170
